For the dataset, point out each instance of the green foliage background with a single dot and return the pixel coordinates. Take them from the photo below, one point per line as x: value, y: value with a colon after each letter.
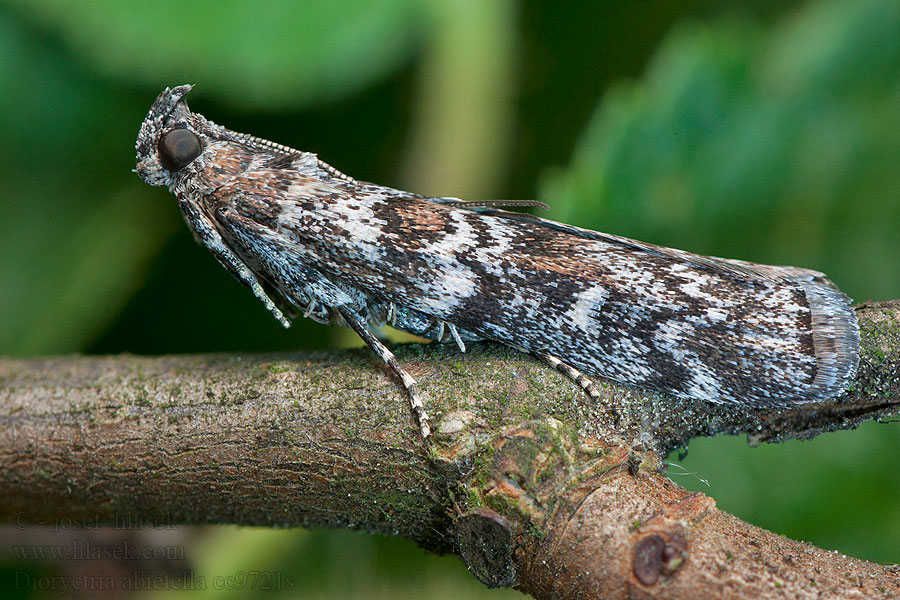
x: 767, y: 132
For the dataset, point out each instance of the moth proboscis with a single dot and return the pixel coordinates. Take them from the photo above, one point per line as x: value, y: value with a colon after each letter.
x: 308, y: 239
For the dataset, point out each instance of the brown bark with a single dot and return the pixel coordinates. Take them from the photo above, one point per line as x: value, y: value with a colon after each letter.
x: 533, y: 484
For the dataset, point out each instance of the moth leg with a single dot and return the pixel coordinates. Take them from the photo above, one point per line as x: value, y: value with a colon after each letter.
x: 412, y: 388
x: 210, y: 238
x: 444, y: 326
x: 455, y: 334
x: 310, y: 308
x: 392, y: 314
x: 571, y: 372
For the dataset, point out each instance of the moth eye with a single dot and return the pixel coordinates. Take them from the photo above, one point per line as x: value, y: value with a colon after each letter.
x: 177, y: 149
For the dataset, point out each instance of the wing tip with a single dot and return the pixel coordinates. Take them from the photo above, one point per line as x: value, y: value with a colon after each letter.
x: 835, y: 332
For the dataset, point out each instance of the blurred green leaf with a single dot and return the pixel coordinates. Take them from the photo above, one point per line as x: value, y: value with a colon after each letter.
x: 837, y: 491
x: 235, y: 562
x: 76, y: 229
x: 91, y: 264
x: 269, y: 54
x: 777, y: 146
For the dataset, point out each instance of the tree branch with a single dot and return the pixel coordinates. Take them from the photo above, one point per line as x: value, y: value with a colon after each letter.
x: 530, y: 481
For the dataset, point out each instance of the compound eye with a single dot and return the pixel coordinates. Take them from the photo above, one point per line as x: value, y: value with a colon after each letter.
x: 178, y: 148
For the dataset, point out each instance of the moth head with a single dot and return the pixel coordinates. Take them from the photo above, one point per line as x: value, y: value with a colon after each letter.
x: 170, y: 140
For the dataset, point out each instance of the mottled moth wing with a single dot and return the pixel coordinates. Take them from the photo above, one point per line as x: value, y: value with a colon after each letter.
x: 361, y: 254
x: 693, y: 326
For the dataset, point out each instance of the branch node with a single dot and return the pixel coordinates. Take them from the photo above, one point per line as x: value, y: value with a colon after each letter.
x: 656, y: 556
x: 485, y: 542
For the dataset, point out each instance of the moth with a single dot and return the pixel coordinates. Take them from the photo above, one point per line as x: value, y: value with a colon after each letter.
x: 307, y: 239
